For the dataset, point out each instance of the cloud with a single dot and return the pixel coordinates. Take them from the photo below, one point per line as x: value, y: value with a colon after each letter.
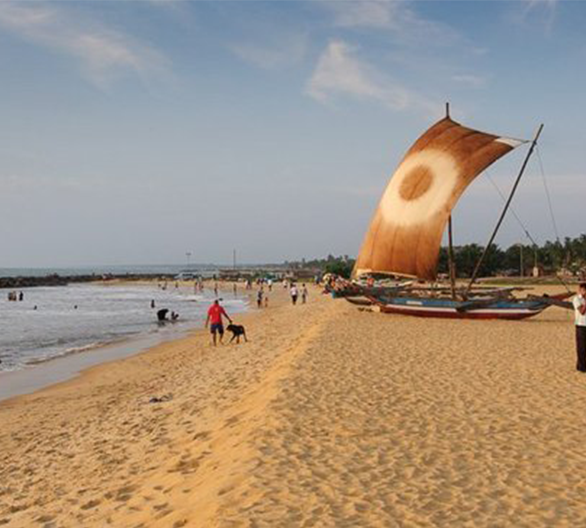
x: 548, y: 4
x: 340, y: 73
x: 536, y: 11
x: 476, y: 81
x: 394, y: 16
x: 165, y: 4
x: 366, y: 13
x: 102, y: 53
x: 180, y: 8
x: 286, y: 52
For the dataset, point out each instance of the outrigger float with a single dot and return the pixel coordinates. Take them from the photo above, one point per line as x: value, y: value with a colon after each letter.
x: 404, y: 237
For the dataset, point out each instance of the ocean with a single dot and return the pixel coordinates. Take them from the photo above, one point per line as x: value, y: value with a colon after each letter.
x: 206, y: 270
x: 80, y: 317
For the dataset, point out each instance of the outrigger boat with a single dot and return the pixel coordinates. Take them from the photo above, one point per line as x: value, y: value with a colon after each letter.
x: 405, y: 235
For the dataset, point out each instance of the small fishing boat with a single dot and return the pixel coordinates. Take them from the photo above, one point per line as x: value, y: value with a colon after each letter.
x: 474, y: 308
x: 405, y: 235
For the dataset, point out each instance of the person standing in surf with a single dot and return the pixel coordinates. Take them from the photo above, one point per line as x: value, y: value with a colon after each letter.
x: 215, y: 314
x: 579, y: 303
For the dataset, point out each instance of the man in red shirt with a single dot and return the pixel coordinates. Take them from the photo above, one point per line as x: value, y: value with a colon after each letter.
x: 215, y: 313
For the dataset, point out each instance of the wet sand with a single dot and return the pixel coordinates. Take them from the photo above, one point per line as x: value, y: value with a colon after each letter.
x: 329, y: 416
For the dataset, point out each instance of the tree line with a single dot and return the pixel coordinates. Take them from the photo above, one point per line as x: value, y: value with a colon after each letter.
x: 517, y: 259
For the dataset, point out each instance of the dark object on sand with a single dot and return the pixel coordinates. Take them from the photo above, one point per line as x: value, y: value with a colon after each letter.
x: 162, y: 314
x: 237, y: 331
x: 161, y: 399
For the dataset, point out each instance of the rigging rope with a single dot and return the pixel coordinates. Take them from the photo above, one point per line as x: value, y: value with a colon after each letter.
x: 554, y: 224
x: 521, y: 224
x: 525, y: 230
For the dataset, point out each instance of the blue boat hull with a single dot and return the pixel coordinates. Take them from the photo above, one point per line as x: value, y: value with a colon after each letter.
x: 447, y: 308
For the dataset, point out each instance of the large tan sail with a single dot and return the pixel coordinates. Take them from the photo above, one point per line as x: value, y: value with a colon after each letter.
x: 405, y: 234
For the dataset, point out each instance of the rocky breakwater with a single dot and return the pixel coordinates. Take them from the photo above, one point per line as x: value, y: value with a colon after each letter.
x: 63, y: 280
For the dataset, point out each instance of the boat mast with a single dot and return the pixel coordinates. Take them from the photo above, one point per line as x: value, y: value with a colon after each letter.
x: 505, y: 209
x: 451, y: 263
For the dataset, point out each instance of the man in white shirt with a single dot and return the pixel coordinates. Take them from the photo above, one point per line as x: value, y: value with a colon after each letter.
x: 579, y: 303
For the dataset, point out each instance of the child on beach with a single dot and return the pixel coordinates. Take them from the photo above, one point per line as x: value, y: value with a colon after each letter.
x: 259, y: 296
x: 304, y: 294
x: 294, y: 293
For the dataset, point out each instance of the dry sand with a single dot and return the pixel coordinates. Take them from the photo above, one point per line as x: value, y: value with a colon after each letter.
x: 330, y: 416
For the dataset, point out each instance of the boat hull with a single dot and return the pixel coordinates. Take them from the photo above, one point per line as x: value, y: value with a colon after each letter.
x: 448, y: 309
x: 359, y: 301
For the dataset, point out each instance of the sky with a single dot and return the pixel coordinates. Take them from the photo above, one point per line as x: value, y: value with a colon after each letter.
x: 135, y: 132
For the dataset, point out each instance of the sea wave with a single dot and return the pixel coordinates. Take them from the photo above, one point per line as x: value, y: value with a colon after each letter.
x: 60, y: 321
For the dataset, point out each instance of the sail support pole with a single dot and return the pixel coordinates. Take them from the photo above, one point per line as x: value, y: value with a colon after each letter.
x: 505, y: 209
x: 452, y: 265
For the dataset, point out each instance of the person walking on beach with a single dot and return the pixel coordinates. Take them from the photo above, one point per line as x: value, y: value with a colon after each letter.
x: 579, y: 303
x: 215, y: 314
x: 304, y: 294
x: 259, y: 298
x: 294, y: 293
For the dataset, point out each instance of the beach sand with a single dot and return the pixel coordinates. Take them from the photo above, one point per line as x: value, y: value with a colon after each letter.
x: 329, y: 416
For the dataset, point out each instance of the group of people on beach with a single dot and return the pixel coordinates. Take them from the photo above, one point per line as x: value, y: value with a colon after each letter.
x: 15, y: 296
x: 162, y: 315
x: 294, y: 293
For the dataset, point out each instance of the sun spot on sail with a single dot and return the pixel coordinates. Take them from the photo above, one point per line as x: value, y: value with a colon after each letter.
x: 416, y: 183
x: 421, y: 187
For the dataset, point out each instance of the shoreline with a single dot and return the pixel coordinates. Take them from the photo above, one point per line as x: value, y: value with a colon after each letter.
x: 43, y: 374
x: 329, y: 416
x: 105, y: 420
x: 61, y: 369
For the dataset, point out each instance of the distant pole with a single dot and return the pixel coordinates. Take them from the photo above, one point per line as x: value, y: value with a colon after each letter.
x: 452, y: 264
x: 234, y: 258
x: 188, y: 255
x: 521, y: 271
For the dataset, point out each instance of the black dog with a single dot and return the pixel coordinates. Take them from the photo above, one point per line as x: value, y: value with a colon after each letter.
x: 237, y: 331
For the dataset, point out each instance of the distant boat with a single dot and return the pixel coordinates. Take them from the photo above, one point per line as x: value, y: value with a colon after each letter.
x: 405, y: 235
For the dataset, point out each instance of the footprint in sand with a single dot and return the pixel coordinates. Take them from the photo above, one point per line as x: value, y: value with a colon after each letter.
x: 203, y: 435
x: 91, y: 504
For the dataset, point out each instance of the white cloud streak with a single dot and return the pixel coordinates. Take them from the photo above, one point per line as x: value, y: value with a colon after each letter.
x: 103, y: 54
x: 542, y: 11
x: 395, y: 16
x: 340, y: 73
x: 476, y: 81
x: 549, y: 4
x: 286, y: 52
